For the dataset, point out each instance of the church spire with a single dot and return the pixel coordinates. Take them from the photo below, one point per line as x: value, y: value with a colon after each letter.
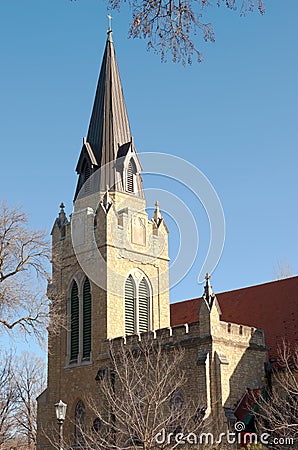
x: 109, y: 137
x: 109, y: 126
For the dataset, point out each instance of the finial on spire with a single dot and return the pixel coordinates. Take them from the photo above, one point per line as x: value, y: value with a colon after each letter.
x: 157, y: 217
x: 106, y: 202
x: 62, y: 219
x: 208, y: 295
x: 110, y: 38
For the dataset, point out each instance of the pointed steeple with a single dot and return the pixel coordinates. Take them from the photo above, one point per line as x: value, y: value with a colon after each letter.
x: 109, y: 126
x: 109, y: 137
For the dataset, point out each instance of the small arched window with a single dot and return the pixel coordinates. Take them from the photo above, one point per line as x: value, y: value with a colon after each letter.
x: 177, y: 400
x: 80, y: 419
x: 130, y: 177
x: 74, y: 322
x: 129, y: 306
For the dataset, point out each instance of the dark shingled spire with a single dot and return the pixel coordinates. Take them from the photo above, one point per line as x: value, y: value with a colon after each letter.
x: 109, y: 137
x: 109, y: 126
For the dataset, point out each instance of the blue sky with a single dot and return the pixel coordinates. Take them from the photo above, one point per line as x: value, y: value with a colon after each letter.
x: 234, y: 116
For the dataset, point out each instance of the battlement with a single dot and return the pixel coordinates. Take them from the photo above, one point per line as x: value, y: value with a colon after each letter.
x: 233, y: 331
x: 229, y: 331
x: 169, y: 334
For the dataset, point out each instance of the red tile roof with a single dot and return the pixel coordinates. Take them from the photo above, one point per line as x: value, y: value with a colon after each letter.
x: 271, y: 306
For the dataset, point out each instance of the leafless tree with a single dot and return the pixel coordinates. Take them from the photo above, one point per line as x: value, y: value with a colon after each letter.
x: 7, y: 397
x: 278, y: 413
x: 172, y: 26
x: 24, y: 254
x: 30, y: 381
x: 140, y: 401
x: 22, y: 378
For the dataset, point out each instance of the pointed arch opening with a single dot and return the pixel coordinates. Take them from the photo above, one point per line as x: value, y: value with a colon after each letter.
x: 79, y: 336
x: 129, y: 306
x: 137, y: 300
x: 80, y: 421
x: 144, y: 305
x: 130, y: 177
x: 87, y: 314
x: 74, y: 322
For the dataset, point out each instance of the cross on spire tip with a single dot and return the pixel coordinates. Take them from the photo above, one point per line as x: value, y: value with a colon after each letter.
x: 109, y: 32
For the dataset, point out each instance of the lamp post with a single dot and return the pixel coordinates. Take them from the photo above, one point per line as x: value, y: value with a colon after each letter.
x: 60, y: 414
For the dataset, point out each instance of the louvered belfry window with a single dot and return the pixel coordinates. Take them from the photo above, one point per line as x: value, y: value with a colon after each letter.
x: 130, y: 175
x: 75, y: 319
x: 144, y: 297
x: 86, y: 176
x: 87, y: 307
x: 137, y: 305
x: 80, y: 334
x: 129, y: 306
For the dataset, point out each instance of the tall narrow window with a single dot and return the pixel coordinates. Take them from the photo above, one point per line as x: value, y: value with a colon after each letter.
x: 130, y: 176
x: 129, y: 306
x: 74, y: 322
x: 137, y: 303
x: 80, y: 418
x: 80, y: 323
x: 144, y: 298
x: 86, y: 319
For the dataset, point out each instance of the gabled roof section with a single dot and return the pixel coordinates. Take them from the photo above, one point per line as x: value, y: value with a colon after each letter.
x: 109, y: 126
x: 86, y: 152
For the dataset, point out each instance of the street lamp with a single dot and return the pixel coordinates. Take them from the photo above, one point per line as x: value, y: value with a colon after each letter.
x: 60, y: 414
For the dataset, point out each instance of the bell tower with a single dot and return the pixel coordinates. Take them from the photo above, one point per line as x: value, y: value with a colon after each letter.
x: 110, y: 260
x: 121, y: 251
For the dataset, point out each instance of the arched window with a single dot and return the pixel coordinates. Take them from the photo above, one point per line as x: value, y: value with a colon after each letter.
x: 137, y: 305
x: 177, y: 400
x: 80, y: 311
x: 129, y: 306
x: 86, y: 319
x: 80, y: 419
x: 130, y: 177
x: 97, y: 424
x: 176, y: 404
x: 144, y: 298
x: 74, y: 322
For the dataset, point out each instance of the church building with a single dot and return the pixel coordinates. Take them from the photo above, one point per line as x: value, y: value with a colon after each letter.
x: 111, y: 274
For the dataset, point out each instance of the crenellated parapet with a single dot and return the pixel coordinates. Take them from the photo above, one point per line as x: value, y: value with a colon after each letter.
x: 235, y: 332
x: 180, y: 334
x: 169, y: 335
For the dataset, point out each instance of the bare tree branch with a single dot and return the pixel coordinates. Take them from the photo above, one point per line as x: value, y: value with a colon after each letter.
x: 24, y: 255
x: 7, y: 397
x: 30, y: 381
x: 172, y: 26
x: 277, y: 414
x: 140, y: 394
